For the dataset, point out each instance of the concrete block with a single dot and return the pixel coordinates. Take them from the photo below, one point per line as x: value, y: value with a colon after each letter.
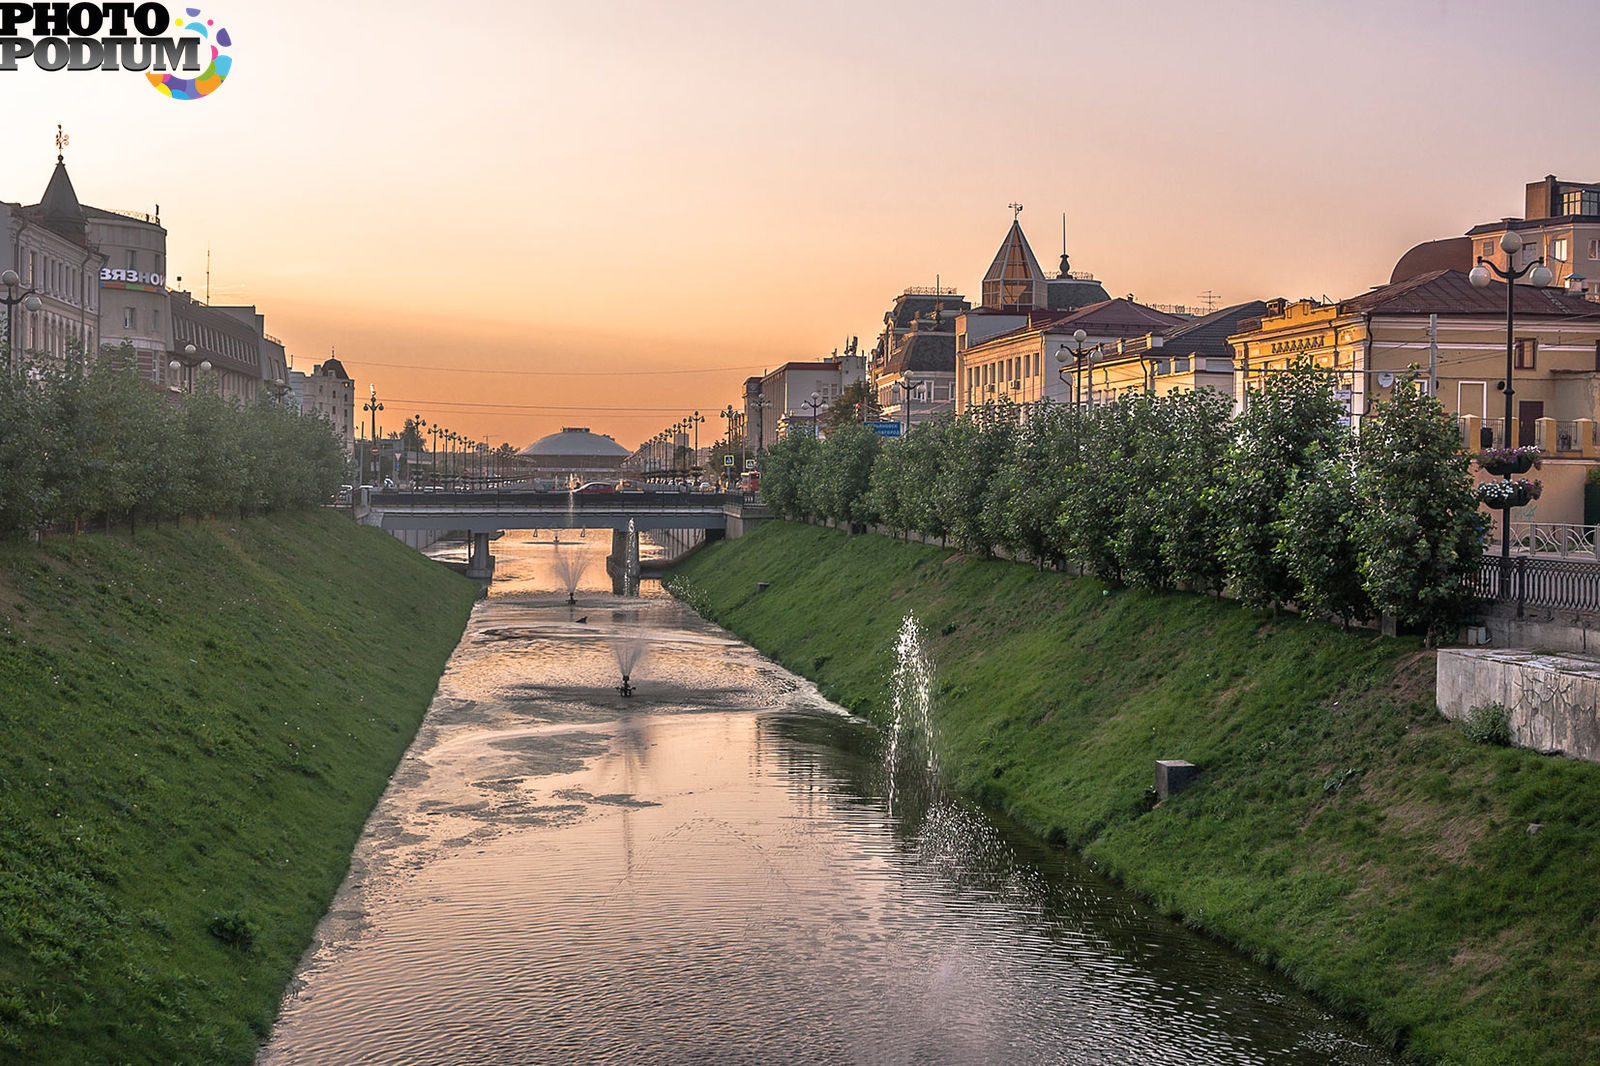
x: 1174, y: 775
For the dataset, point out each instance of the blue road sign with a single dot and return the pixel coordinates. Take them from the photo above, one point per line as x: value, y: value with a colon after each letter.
x: 884, y: 429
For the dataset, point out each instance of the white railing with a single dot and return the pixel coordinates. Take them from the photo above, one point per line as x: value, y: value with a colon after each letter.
x: 1565, y: 540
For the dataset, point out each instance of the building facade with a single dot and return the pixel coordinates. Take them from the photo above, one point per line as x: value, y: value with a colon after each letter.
x: 795, y: 394
x: 1449, y: 338
x: 49, y: 247
x: 134, y: 308
x: 329, y: 393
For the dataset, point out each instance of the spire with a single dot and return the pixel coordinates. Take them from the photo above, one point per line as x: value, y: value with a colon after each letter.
x: 1015, y: 280
x: 1066, y: 267
x: 60, y: 206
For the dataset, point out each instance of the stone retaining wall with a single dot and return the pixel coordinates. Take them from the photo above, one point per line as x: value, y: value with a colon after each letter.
x: 1553, y: 697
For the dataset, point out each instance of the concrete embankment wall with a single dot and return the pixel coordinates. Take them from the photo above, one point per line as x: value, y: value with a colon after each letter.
x: 1553, y: 698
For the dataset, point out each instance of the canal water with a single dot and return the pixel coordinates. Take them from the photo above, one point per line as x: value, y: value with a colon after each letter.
x: 711, y: 872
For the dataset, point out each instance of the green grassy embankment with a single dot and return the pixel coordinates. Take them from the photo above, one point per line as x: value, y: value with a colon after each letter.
x: 1341, y: 829
x: 194, y: 725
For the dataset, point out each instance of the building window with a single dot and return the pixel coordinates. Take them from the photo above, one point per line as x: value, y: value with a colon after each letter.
x: 1580, y: 202
x: 133, y: 259
x: 1527, y: 353
x: 1558, y: 249
x: 1488, y: 249
x: 155, y: 320
x: 1594, y: 249
x: 130, y: 318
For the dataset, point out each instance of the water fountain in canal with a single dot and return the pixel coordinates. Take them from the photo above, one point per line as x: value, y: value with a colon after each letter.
x: 911, y: 758
x: 630, y: 652
x: 569, y: 567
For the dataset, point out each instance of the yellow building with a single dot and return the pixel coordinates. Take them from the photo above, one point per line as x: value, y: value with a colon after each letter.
x: 1449, y: 337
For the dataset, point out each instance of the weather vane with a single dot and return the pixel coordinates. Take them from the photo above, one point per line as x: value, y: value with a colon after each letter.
x: 61, y: 142
x: 1016, y: 209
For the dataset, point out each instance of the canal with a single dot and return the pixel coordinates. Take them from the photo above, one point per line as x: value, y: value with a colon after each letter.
x: 713, y: 871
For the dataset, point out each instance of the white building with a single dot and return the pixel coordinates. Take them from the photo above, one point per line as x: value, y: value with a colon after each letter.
x: 48, y: 245
x: 796, y: 395
x: 133, y: 289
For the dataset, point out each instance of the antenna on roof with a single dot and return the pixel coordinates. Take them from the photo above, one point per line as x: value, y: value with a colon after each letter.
x: 208, y: 272
x: 1210, y: 299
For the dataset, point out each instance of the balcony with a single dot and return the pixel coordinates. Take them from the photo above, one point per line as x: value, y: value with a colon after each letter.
x: 1562, y: 439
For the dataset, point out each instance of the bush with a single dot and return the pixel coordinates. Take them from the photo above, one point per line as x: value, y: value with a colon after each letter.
x: 1488, y: 723
x: 235, y: 929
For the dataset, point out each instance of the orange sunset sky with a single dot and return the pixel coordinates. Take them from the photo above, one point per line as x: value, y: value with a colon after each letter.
x: 511, y: 217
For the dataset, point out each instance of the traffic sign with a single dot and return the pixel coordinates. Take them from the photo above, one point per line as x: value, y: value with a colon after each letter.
x: 749, y: 464
x: 727, y: 460
x: 884, y: 429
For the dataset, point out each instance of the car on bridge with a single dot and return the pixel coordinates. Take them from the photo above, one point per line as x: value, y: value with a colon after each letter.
x: 596, y: 486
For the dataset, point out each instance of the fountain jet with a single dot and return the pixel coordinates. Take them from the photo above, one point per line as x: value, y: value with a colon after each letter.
x: 629, y: 651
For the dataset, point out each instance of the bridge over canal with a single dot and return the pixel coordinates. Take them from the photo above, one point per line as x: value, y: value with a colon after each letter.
x: 415, y: 516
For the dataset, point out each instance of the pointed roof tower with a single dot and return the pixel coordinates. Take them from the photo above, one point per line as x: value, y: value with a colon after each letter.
x: 1015, y: 281
x: 59, y: 208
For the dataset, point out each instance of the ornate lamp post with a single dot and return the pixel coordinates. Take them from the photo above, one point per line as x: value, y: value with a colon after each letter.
x: 1078, y: 354
x: 908, y: 391
x: 421, y: 425
x: 1539, y: 275
x: 816, y: 403
x: 30, y: 302
x: 373, y: 406
x: 187, y: 361
x: 694, y: 421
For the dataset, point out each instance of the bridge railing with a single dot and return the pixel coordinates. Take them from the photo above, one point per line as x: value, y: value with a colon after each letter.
x: 493, y: 501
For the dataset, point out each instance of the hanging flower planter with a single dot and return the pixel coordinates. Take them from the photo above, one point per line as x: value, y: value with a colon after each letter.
x: 1503, y: 461
x: 1503, y: 495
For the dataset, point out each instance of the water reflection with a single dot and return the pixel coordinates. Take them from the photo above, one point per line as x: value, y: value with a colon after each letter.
x: 710, y: 871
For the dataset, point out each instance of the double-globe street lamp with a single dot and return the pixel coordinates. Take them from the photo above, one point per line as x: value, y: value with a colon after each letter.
x: 30, y: 302
x: 187, y: 361
x: 1538, y: 275
x: 816, y: 403
x: 1078, y: 355
x: 908, y: 391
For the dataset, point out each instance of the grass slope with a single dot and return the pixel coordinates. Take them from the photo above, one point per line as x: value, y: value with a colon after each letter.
x: 1341, y: 829
x: 193, y: 726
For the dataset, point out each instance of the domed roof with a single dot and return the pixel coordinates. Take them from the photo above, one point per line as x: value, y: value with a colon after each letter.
x: 574, y: 440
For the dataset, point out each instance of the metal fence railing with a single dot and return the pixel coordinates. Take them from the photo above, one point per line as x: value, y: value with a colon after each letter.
x: 1562, y: 584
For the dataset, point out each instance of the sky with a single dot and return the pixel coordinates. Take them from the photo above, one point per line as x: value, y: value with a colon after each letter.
x: 515, y: 216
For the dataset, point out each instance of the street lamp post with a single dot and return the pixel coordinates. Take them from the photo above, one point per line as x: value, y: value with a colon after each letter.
x: 187, y: 361
x: 421, y: 425
x: 30, y: 302
x: 908, y: 390
x: 1078, y: 354
x: 1538, y: 274
x: 373, y: 406
x: 694, y: 456
x: 816, y: 403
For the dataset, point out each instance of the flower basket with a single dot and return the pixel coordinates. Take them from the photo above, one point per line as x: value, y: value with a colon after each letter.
x: 1503, y: 495
x: 1503, y: 461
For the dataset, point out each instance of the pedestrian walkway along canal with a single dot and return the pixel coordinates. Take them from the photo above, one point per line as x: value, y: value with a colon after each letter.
x: 710, y: 872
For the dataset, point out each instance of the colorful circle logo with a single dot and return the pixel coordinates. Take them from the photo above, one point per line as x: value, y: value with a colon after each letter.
x: 210, y: 79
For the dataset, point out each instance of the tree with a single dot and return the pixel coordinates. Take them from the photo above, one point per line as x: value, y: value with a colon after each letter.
x: 1316, y: 538
x: 856, y: 403
x: 1195, y: 451
x: 1419, y: 531
x: 844, y: 472
x: 1294, y: 411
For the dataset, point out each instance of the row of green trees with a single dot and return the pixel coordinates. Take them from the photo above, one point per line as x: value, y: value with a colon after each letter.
x: 1281, y: 505
x: 92, y: 442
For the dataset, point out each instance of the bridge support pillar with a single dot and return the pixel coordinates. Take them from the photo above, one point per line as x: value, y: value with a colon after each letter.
x: 480, y: 564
